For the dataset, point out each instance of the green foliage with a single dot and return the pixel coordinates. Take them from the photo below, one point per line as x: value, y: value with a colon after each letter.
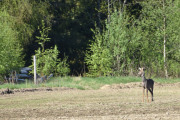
x: 47, y: 60
x: 173, y: 29
x: 26, y: 16
x: 63, y: 67
x: 132, y: 37
x: 10, y: 48
x: 133, y: 42
x: 21, y: 12
x: 153, y: 31
x: 122, y: 42
x: 44, y: 35
x: 98, y: 58
x: 113, y: 50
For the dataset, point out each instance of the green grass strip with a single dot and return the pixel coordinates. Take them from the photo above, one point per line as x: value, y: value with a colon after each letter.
x: 83, y: 83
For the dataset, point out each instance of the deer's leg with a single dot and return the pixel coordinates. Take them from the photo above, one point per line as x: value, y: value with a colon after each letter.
x: 147, y: 94
x: 151, y: 91
x: 143, y: 93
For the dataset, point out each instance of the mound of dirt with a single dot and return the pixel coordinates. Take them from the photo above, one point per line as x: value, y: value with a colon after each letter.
x: 8, y: 91
x: 122, y: 86
x: 136, y: 84
x: 167, y: 84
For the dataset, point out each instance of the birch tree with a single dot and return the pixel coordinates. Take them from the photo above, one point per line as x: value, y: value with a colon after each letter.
x: 157, y: 21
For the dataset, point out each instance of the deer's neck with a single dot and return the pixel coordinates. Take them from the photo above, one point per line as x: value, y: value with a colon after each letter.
x: 143, y: 77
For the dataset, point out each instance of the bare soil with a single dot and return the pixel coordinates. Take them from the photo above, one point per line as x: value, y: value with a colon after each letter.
x: 110, y: 102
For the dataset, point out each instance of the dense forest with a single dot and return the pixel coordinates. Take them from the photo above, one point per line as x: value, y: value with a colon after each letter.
x: 91, y: 37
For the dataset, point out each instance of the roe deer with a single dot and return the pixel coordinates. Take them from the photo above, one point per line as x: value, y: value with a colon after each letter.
x: 148, y: 84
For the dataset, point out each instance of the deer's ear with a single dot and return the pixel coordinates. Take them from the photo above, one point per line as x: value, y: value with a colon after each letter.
x: 139, y: 68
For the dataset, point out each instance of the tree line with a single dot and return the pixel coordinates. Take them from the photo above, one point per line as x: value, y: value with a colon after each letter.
x: 149, y: 39
x: 91, y: 37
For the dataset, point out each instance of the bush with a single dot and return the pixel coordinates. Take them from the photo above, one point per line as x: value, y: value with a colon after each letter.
x: 47, y: 60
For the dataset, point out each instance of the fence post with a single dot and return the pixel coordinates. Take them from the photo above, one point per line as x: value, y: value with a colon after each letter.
x: 35, y: 81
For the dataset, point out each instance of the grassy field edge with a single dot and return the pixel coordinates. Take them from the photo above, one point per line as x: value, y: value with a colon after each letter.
x: 84, y: 83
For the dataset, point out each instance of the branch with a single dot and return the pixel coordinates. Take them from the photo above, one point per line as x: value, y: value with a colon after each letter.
x: 173, y: 50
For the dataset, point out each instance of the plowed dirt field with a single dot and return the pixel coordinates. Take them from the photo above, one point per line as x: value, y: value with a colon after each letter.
x: 115, y: 102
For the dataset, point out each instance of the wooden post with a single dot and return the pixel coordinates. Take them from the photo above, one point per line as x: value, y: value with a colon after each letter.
x: 34, y: 58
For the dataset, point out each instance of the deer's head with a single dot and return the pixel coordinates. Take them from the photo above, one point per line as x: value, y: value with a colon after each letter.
x: 141, y: 71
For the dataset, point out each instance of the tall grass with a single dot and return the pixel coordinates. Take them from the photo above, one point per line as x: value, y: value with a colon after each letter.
x: 83, y: 82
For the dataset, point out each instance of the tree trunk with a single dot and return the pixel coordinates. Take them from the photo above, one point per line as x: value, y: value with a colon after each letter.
x: 118, y: 64
x: 164, y: 29
x: 108, y: 12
